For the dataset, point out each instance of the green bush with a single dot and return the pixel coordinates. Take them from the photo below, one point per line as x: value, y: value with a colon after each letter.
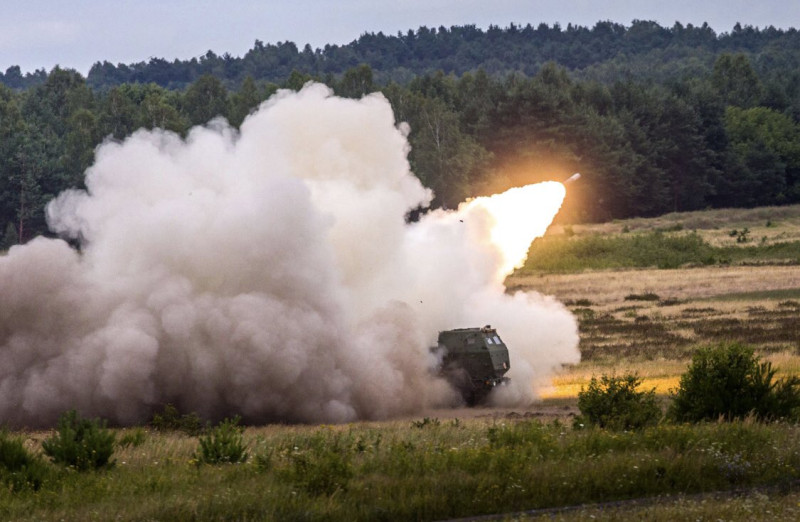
x: 729, y: 381
x: 224, y: 443
x: 19, y: 469
x: 616, y: 404
x: 170, y: 419
x: 82, y: 444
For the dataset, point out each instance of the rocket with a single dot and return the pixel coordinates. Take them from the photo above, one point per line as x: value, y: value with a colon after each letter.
x: 572, y: 179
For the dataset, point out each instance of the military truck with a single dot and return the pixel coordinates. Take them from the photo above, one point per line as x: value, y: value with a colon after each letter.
x: 474, y: 360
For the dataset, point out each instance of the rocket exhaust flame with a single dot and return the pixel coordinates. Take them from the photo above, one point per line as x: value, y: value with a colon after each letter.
x: 267, y: 272
x: 519, y: 216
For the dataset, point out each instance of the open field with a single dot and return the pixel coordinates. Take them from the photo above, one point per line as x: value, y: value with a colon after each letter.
x: 482, y: 461
x: 651, y: 320
x: 773, y: 223
x: 428, y: 469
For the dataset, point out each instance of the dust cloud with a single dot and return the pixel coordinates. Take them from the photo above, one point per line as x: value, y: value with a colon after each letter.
x: 266, y: 272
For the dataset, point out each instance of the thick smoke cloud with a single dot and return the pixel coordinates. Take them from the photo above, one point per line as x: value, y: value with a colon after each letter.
x: 267, y: 272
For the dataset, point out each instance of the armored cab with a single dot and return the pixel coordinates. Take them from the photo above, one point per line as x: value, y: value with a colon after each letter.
x: 474, y: 360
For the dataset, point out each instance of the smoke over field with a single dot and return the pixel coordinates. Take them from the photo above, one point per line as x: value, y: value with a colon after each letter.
x: 267, y: 272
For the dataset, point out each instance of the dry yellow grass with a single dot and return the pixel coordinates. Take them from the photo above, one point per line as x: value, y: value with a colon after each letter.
x: 662, y: 385
x: 603, y: 287
x: 776, y: 223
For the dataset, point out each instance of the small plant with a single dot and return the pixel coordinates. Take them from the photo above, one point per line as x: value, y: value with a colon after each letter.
x: 649, y: 296
x: 729, y: 381
x: 264, y: 460
x: 224, y: 443
x: 427, y: 421
x: 19, y: 469
x: 170, y: 419
x: 82, y: 444
x: 616, y: 404
x: 743, y: 236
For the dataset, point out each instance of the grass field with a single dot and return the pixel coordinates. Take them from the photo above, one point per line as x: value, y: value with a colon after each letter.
x: 466, y: 463
x: 422, y: 470
x: 651, y: 320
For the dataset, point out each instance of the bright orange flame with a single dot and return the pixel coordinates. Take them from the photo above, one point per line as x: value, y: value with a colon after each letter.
x: 519, y: 216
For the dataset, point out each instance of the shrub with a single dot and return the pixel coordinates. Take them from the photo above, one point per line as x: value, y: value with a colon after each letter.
x: 224, y: 443
x: 79, y: 443
x: 19, y: 469
x: 728, y: 380
x: 170, y: 419
x: 615, y: 403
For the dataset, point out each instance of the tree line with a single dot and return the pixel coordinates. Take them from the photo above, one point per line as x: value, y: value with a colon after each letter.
x: 603, y: 52
x: 660, y: 130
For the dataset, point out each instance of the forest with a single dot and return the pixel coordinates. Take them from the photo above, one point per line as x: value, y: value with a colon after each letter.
x: 657, y: 119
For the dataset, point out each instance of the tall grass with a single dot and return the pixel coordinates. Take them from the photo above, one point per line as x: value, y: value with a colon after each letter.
x: 561, y: 254
x: 399, y: 472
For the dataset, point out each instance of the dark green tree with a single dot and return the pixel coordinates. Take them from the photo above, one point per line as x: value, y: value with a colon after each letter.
x: 765, y: 153
x: 46, y: 164
x: 204, y: 100
x: 356, y: 82
x: 12, y: 129
x: 81, y: 138
x: 244, y: 101
x: 158, y: 109
x: 297, y: 80
x: 442, y: 156
x: 736, y: 81
x: 118, y: 112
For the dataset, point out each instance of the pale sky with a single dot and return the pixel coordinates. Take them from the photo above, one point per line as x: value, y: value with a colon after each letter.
x: 75, y: 34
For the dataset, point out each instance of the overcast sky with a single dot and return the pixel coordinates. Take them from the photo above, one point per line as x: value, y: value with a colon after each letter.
x: 42, y: 33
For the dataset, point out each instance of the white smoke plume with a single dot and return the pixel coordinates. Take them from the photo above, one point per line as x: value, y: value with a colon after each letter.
x: 267, y: 272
